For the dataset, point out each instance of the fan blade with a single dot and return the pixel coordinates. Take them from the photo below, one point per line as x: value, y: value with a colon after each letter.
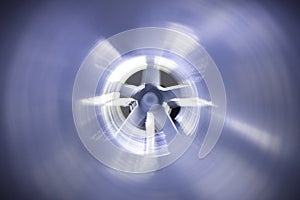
x: 135, y: 118
x: 175, y: 88
x: 151, y: 75
x: 100, y: 100
x: 120, y: 102
x: 111, y: 99
x: 191, y: 102
x: 163, y: 121
x: 150, y: 133
x: 127, y: 90
x: 175, y: 91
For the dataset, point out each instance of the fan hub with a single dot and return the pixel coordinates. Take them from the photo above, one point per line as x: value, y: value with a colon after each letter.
x: 148, y: 97
x: 148, y: 100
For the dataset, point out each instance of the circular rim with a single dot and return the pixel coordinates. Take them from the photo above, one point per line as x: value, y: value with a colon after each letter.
x: 107, y: 52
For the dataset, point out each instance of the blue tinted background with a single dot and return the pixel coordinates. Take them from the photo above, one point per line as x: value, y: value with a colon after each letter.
x: 256, y: 46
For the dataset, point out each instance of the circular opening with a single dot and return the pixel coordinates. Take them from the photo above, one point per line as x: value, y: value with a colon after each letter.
x: 166, y: 80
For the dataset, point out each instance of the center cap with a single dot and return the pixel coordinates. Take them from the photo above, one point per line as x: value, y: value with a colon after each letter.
x: 148, y: 100
x: 148, y: 97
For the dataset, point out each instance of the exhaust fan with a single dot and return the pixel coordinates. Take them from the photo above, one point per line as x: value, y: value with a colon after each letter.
x: 140, y: 95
